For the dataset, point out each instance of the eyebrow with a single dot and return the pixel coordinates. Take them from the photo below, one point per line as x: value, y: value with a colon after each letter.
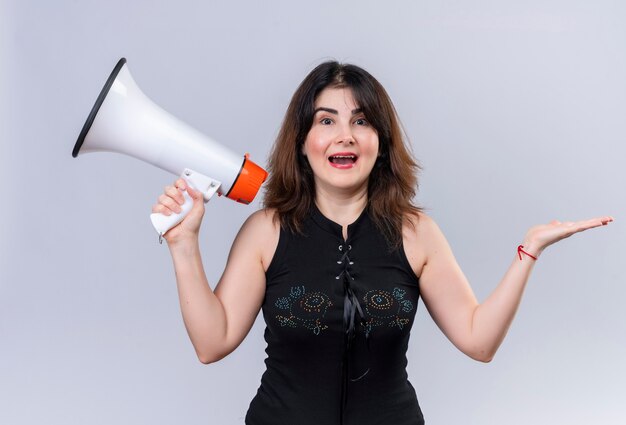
x: 335, y: 112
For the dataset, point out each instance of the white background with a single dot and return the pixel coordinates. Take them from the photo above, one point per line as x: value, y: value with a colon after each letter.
x: 516, y: 110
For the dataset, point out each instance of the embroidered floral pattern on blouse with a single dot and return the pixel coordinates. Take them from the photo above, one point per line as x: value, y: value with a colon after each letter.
x: 386, y: 308
x: 303, y: 308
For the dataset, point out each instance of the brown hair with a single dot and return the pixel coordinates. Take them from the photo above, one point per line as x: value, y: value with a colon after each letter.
x: 392, y: 183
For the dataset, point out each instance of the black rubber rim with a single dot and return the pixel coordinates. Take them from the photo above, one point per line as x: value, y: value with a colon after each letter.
x: 96, y: 106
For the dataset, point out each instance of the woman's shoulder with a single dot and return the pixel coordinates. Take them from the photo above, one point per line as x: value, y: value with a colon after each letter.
x: 262, y: 230
x: 264, y: 220
x: 418, y: 231
x: 418, y: 223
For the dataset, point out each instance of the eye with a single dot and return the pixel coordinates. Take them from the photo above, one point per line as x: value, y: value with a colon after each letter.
x: 361, y: 121
x: 326, y: 121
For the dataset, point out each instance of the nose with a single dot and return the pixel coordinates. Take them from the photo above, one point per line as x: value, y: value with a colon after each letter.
x: 345, y: 135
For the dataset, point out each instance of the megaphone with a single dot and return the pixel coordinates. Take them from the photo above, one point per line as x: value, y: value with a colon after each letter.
x: 126, y: 121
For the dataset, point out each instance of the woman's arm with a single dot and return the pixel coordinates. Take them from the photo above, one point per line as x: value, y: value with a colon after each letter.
x: 477, y: 329
x: 217, y: 321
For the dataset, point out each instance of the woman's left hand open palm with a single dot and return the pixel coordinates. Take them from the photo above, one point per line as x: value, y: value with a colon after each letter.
x: 540, y: 237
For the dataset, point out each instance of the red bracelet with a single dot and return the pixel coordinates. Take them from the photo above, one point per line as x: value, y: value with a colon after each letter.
x: 520, y: 251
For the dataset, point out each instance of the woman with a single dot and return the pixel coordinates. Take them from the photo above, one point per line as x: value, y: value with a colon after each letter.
x: 337, y: 260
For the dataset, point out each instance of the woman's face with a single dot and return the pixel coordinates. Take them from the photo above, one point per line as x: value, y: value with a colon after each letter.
x: 341, y: 145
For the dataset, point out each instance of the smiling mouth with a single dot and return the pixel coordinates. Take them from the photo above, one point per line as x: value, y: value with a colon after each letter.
x: 342, y: 159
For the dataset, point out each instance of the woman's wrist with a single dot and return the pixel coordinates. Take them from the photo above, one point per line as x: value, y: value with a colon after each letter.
x: 530, y: 248
x: 183, y: 244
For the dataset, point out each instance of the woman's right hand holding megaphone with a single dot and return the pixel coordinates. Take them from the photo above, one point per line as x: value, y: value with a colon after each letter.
x: 170, y: 202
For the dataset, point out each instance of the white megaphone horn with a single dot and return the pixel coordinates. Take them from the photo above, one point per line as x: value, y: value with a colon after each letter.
x: 126, y: 121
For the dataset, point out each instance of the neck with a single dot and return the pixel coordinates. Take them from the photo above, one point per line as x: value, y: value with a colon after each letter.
x: 343, y: 209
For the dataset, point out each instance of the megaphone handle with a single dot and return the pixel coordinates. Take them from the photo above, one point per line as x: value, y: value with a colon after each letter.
x: 206, y: 185
x: 162, y: 223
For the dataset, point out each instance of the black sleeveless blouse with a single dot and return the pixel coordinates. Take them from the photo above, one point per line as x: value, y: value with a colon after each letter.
x: 338, y: 315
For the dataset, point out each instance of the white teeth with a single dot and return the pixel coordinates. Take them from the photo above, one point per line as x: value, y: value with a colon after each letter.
x: 343, y: 159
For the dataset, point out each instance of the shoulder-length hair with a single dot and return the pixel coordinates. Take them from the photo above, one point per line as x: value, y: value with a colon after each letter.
x: 392, y: 184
